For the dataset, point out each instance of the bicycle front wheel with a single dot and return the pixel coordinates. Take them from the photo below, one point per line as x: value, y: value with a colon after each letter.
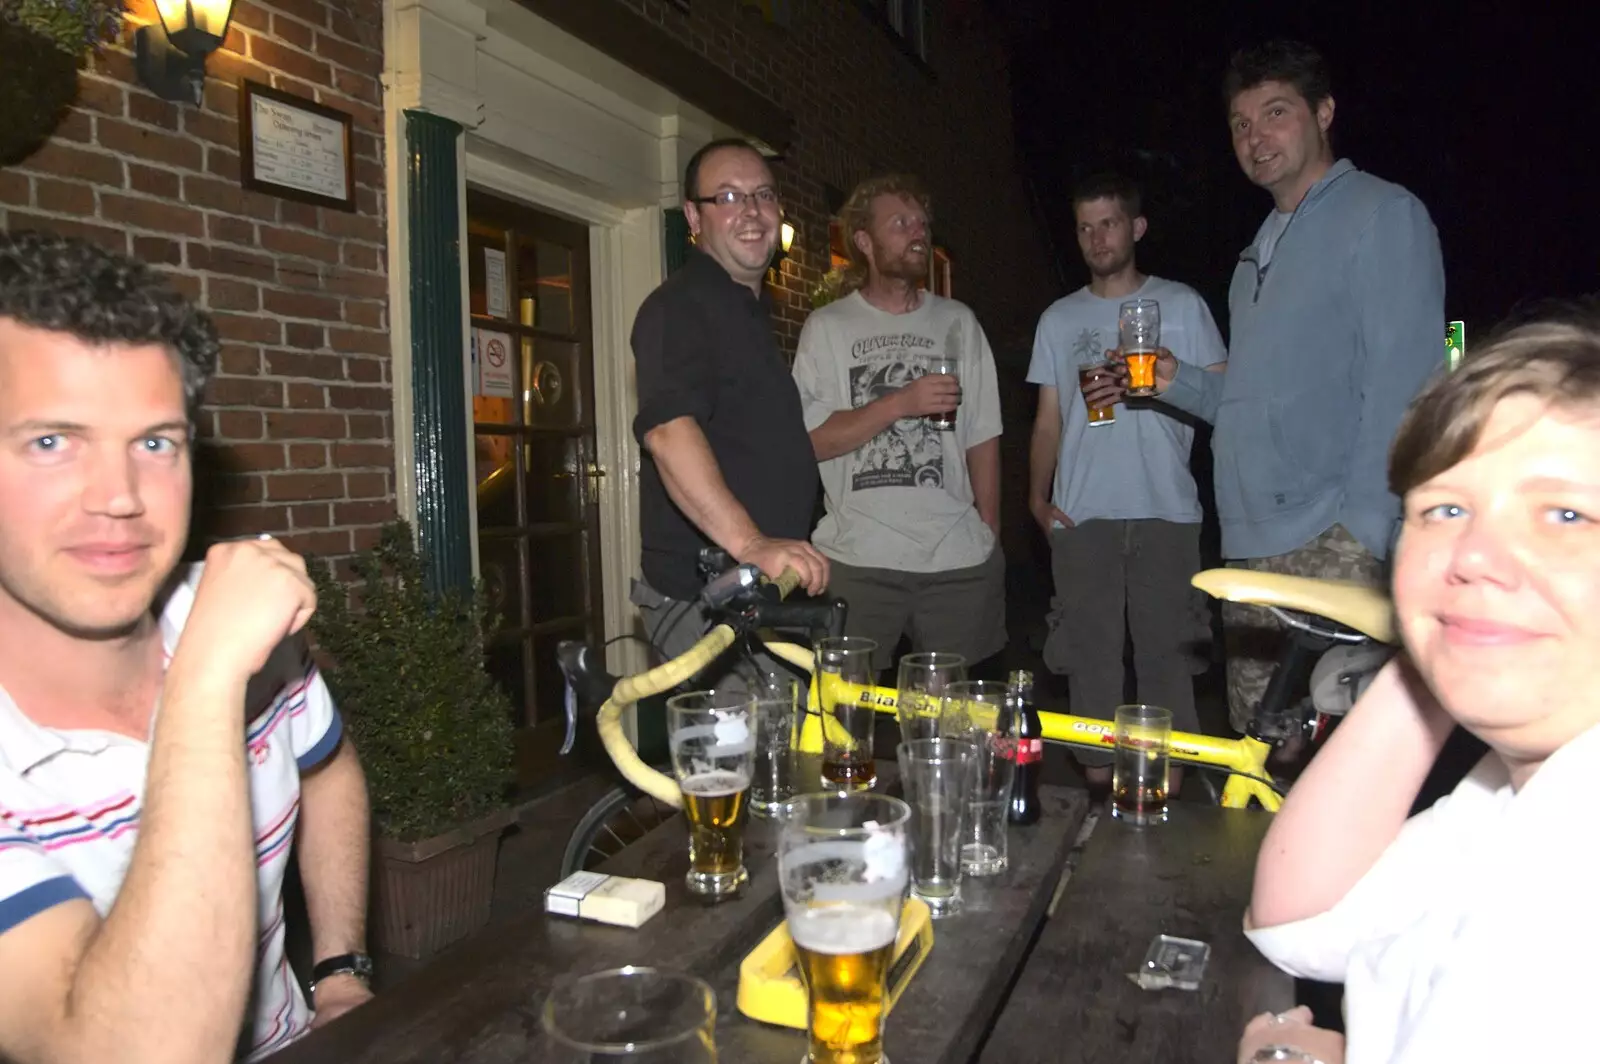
x: 621, y: 817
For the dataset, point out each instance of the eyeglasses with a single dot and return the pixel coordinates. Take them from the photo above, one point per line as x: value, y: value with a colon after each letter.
x: 766, y: 196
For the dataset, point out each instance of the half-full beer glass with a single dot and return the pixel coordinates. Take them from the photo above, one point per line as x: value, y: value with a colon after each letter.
x: 1094, y: 368
x: 713, y: 748
x: 842, y: 867
x: 843, y: 667
x: 1139, y: 331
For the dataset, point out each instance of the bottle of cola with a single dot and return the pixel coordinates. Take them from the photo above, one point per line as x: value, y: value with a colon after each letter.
x: 1025, y: 805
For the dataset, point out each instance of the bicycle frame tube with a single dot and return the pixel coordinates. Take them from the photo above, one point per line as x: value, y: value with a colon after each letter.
x: 1244, y: 758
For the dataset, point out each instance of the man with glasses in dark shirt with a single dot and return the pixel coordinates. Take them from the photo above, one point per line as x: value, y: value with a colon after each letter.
x: 727, y: 460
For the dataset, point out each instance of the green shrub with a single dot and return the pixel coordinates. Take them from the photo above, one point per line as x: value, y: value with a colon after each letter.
x: 406, y: 667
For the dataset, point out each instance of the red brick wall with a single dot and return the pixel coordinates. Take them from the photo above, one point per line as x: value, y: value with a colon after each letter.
x: 860, y: 107
x: 298, y: 435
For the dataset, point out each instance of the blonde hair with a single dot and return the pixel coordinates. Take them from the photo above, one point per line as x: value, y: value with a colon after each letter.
x: 1553, y: 356
x: 856, y: 216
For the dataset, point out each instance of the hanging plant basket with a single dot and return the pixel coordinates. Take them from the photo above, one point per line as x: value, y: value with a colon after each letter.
x: 43, y: 44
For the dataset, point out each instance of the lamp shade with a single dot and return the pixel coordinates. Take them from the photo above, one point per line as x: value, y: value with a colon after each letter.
x: 195, y: 27
x: 787, y: 232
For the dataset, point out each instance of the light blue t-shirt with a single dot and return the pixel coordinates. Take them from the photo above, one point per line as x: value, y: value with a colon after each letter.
x: 1139, y: 466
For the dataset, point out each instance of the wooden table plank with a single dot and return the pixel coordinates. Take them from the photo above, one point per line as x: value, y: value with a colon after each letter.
x: 1189, y: 877
x: 944, y: 1012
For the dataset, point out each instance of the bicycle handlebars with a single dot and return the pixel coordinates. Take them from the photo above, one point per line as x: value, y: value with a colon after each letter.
x: 664, y: 677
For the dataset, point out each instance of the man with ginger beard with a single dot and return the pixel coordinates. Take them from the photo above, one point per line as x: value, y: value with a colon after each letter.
x: 913, y: 512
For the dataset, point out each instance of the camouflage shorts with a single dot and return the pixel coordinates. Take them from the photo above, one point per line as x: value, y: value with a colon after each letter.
x: 1254, y: 637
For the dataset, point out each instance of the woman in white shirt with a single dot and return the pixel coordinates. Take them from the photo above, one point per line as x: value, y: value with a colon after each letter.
x: 1464, y: 934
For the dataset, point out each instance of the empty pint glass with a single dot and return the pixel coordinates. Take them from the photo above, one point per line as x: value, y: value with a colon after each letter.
x: 1139, y: 766
x: 924, y: 681
x: 843, y: 668
x: 938, y: 777
x: 976, y: 711
x: 1091, y: 371
x: 713, y: 755
x: 1139, y: 332
x: 632, y: 1016
x: 842, y: 868
x: 776, y: 699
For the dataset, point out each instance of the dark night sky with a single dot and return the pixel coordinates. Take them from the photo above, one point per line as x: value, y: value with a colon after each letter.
x: 1490, y: 119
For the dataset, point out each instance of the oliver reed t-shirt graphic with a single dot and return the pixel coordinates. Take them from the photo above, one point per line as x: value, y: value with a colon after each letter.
x: 910, y: 452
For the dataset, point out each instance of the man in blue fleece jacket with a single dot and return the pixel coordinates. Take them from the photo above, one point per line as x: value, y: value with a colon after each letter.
x: 1337, y: 319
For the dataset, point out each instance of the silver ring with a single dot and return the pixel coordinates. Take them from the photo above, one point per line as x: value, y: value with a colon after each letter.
x: 1280, y: 1052
x: 1277, y: 1019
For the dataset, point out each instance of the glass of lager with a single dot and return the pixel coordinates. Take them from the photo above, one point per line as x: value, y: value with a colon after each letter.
x: 713, y: 745
x: 924, y: 679
x: 1139, y: 766
x: 843, y: 869
x: 1139, y: 332
x: 843, y: 666
x: 637, y: 1015
x: 1095, y: 367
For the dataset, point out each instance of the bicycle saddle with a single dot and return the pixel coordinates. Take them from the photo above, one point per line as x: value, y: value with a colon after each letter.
x: 1354, y: 605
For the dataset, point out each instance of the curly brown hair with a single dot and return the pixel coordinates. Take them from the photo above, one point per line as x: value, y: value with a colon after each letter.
x: 856, y: 216
x: 67, y: 285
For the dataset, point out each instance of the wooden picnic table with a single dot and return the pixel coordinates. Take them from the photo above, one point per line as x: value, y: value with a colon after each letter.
x: 1190, y: 878
x: 479, y: 1003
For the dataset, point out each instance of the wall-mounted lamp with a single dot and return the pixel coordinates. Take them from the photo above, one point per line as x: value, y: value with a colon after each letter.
x: 171, y: 58
x: 788, y: 237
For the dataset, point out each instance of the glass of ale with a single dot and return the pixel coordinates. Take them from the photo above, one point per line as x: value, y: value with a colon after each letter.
x: 843, y: 868
x: 713, y: 746
x: 637, y: 1015
x: 1092, y: 370
x: 1139, y: 332
x: 843, y: 668
x: 1139, y: 766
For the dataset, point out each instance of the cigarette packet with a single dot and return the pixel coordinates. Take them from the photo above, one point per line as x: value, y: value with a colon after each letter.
x: 606, y: 899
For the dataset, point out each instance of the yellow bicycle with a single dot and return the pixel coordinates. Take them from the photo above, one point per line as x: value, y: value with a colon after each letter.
x: 1322, y: 616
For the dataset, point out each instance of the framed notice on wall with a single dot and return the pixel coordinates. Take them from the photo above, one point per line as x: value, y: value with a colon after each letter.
x: 295, y: 148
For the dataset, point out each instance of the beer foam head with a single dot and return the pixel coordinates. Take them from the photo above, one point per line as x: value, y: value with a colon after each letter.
x: 842, y: 928
x: 714, y: 784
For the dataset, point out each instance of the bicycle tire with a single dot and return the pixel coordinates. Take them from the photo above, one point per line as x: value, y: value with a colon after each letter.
x: 620, y: 817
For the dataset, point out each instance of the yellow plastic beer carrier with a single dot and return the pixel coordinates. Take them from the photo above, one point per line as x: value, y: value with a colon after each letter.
x: 770, y: 988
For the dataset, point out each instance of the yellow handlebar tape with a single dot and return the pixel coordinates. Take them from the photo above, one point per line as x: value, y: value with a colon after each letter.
x: 664, y: 677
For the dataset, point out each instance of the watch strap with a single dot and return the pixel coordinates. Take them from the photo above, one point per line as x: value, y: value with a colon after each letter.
x: 356, y: 964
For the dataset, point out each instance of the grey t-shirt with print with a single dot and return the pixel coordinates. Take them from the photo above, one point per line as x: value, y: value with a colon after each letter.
x: 902, y: 500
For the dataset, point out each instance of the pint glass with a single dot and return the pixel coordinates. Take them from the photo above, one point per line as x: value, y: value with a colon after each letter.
x: 842, y: 867
x: 946, y: 420
x: 843, y: 666
x: 924, y: 681
x: 713, y: 756
x: 1094, y: 369
x: 1139, y: 768
x: 1139, y: 331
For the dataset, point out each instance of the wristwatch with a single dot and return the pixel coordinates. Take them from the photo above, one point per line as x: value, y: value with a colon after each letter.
x: 356, y: 964
x: 1279, y: 1052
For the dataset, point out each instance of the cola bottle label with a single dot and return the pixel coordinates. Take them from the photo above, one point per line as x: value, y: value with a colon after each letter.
x: 1029, y: 751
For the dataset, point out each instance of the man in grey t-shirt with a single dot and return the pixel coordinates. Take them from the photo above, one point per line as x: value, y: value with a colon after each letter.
x: 1116, y: 499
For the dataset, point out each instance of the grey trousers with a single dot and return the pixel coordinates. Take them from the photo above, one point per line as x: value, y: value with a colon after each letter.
x: 1118, y: 578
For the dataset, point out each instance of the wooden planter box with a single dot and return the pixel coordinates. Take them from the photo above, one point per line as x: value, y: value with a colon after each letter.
x: 436, y: 891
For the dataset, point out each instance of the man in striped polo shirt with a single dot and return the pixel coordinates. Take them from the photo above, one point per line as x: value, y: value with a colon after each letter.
x: 163, y: 734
